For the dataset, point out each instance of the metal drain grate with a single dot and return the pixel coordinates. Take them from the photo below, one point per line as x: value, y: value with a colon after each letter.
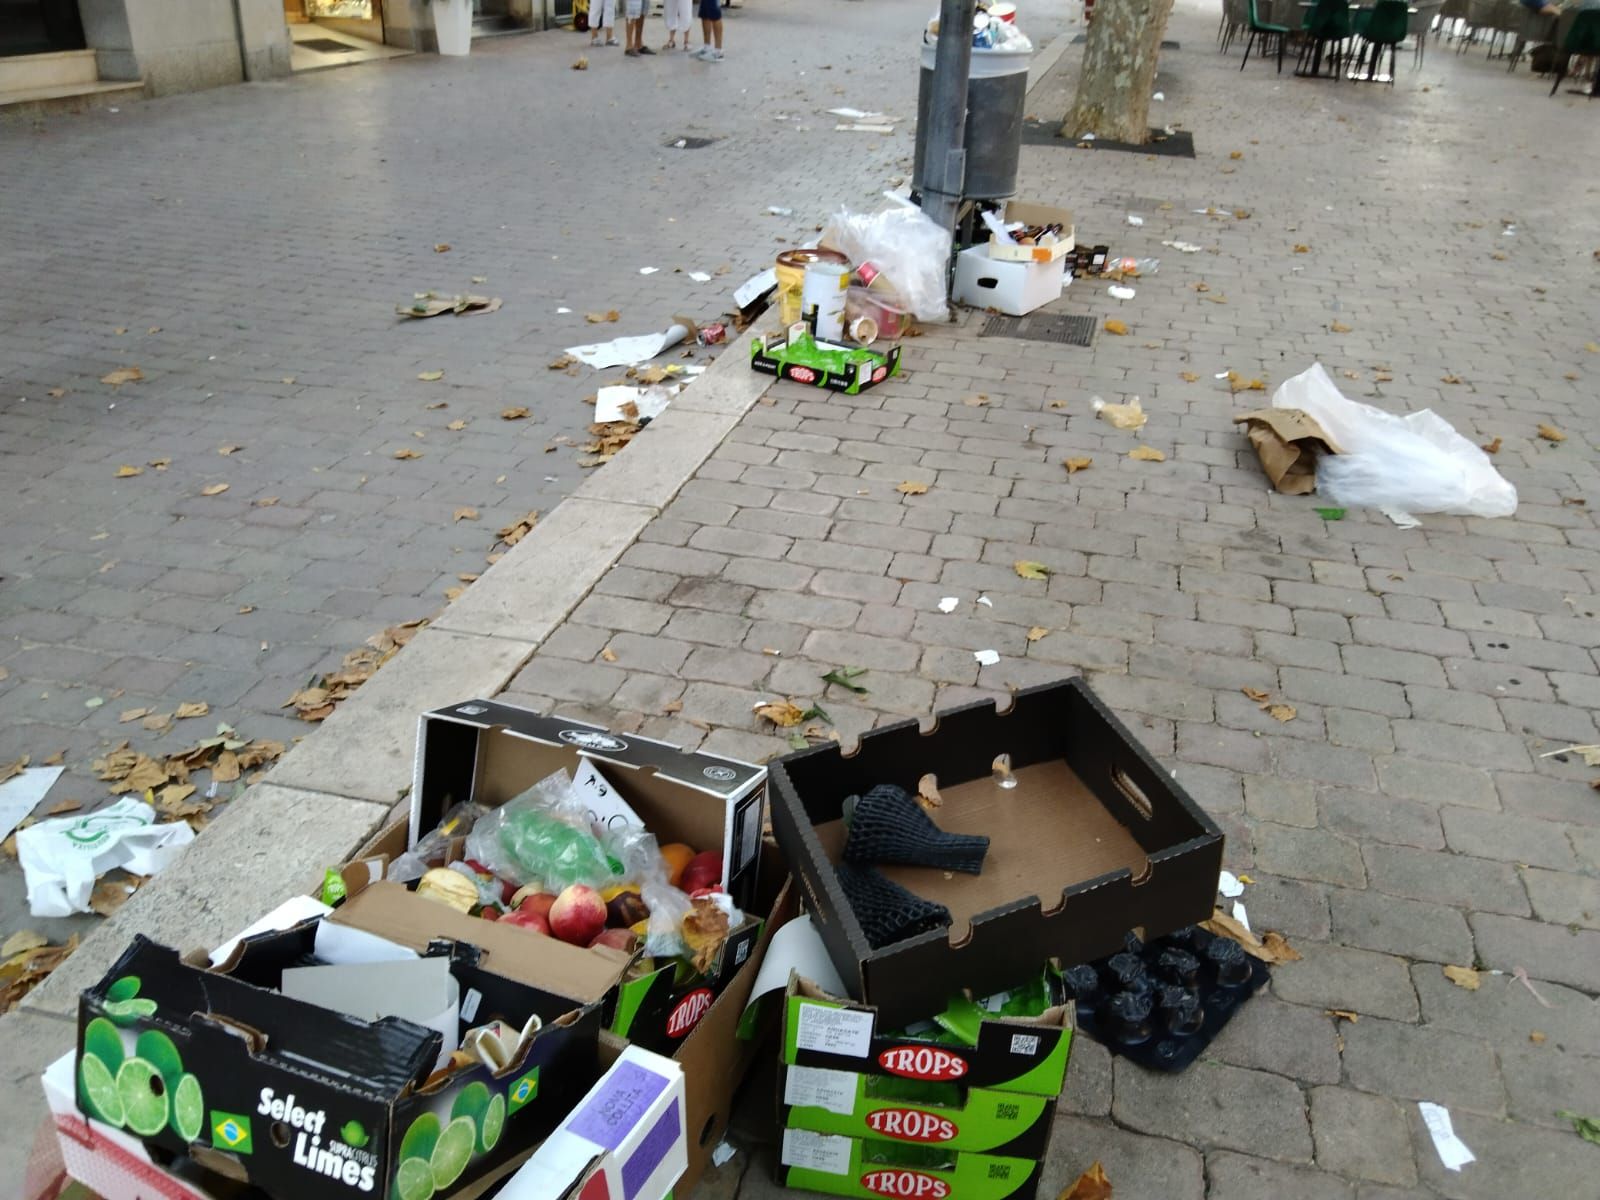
x: 689, y: 143
x: 1038, y: 327
x: 327, y: 46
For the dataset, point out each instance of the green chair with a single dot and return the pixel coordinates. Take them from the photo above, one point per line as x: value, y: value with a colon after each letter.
x: 1266, y: 32
x: 1328, y: 22
x: 1383, y: 25
x: 1583, y: 38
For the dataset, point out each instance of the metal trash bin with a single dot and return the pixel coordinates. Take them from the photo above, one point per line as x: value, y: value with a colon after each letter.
x: 997, y: 94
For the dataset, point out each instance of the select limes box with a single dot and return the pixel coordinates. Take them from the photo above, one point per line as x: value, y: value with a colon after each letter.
x: 843, y: 1166
x: 889, y: 1108
x: 1010, y: 1054
x: 217, y: 1069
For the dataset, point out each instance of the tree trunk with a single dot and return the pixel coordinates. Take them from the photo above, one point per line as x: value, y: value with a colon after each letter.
x: 1119, y: 70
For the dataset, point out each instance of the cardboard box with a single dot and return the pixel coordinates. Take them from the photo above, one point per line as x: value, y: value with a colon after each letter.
x: 488, y: 752
x: 1013, y: 1054
x: 1093, y: 839
x: 657, y: 1011
x: 854, y: 369
x: 624, y: 1141
x: 882, y: 1107
x: 844, y: 1166
x: 1035, y: 214
x: 1015, y: 288
x: 304, y: 1101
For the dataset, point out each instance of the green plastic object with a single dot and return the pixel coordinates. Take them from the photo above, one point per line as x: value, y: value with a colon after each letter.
x: 548, y: 849
x: 798, y: 356
x: 1330, y: 514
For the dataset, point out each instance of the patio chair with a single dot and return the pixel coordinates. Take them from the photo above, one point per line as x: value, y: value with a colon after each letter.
x: 1582, y: 39
x: 1479, y: 17
x: 1384, y: 26
x: 1537, y: 29
x: 1452, y: 12
x: 1505, y: 23
x: 1329, y: 22
x: 1235, y: 16
x: 1266, y: 31
x: 1417, y: 26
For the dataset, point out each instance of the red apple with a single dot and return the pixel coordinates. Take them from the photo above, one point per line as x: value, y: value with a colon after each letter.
x: 620, y: 939
x: 527, y: 897
x: 577, y: 915
x: 526, y: 918
x: 704, y: 870
x: 490, y: 914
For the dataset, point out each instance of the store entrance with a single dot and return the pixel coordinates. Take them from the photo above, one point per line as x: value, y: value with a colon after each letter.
x: 39, y: 27
x: 335, y: 33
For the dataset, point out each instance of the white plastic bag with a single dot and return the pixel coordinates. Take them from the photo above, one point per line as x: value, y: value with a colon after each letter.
x: 61, y: 858
x: 908, y: 246
x: 1416, y: 463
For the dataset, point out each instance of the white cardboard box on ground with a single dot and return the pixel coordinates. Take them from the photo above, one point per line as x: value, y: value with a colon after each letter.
x: 1014, y: 288
x: 624, y: 1141
x: 110, y: 1163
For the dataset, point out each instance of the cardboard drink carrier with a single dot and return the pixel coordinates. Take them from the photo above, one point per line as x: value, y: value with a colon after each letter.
x: 1089, y: 838
x: 1035, y: 214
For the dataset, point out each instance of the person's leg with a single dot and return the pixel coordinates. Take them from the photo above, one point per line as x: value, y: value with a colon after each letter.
x: 716, y: 33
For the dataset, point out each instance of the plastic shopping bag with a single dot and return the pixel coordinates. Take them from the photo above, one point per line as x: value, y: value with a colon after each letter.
x: 61, y: 858
x: 1417, y: 463
x: 908, y: 247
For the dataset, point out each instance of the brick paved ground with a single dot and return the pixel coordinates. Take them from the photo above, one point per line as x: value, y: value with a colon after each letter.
x: 246, y: 248
x: 1405, y: 819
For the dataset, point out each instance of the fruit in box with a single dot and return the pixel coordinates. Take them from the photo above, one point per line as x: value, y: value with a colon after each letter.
x: 618, y: 939
x: 676, y: 856
x: 625, y: 909
x: 577, y: 915
x: 527, y: 918
x: 704, y: 870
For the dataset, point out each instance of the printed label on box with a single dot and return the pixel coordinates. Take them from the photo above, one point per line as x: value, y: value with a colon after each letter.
x: 818, y: 1087
x: 469, y: 1004
x: 1025, y: 1043
x: 834, y: 1030
x: 824, y: 1152
x: 611, y: 1114
x: 607, y: 808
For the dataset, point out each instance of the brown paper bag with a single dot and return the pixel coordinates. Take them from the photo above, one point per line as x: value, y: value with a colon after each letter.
x: 1287, y: 441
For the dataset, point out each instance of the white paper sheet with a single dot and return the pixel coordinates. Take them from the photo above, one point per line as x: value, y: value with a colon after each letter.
x: 948, y: 604
x: 986, y: 658
x: 796, y: 947
x: 627, y: 351
x: 1453, y: 1152
x: 649, y: 402
x: 21, y: 794
x: 286, y: 916
x: 1228, y: 884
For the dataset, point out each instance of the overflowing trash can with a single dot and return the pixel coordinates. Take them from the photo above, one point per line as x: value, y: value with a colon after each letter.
x: 997, y: 91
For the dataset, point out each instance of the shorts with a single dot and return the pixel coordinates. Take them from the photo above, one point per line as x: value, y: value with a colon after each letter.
x: 633, y: 9
x: 710, y: 10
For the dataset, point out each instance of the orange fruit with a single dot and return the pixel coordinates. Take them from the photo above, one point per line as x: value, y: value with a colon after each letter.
x: 676, y: 856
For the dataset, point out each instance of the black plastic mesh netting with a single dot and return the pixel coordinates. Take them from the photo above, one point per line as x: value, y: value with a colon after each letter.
x: 887, y: 912
x: 889, y: 826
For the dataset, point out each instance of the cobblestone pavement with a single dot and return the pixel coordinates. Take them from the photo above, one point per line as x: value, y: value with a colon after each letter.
x: 1407, y: 817
x: 246, y: 247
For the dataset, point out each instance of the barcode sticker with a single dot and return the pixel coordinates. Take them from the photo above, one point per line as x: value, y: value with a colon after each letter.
x: 834, y: 1030
x: 1025, y: 1043
x: 810, y: 1151
x: 469, y: 1004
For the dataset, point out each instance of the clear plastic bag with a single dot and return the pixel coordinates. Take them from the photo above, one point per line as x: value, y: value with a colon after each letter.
x: 433, y: 846
x: 1417, y: 463
x: 542, y: 836
x: 907, y: 244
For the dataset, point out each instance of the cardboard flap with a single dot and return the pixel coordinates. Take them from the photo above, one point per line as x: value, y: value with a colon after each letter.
x: 1287, y: 441
x: 572, y: 973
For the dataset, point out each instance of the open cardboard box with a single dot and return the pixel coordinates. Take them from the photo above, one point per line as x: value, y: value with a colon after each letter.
x: 488, y: 752
x: 1035, y: 214
x: 1093, y: 840
x: 253, y: 1086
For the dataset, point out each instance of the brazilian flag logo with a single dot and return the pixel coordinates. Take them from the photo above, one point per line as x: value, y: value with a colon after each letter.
x: 522, y: 1091
x: 230, y: 1131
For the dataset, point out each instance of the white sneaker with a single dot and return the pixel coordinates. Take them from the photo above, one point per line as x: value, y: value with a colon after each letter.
x: 703, y: 52
x: 715, y: 56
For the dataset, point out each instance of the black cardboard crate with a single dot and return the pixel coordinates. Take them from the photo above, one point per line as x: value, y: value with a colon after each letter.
x: 1095, y: 839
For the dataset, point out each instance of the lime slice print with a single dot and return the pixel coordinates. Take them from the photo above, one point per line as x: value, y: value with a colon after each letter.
x: 494, y: 1122
x: 101, y: 1039
x: 473, y: 1101
x: 188, y: 1108
x: 454, y: 1151
x: 125, y: 988
x: 157, y: 1049
x: 97, y: 1088
x: 129, y: 1012
x: 414, y: 1180
x: 421, y: 1137
x: 144, y: 1097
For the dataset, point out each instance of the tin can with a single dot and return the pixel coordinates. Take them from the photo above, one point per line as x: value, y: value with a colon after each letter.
x: 713, y: 334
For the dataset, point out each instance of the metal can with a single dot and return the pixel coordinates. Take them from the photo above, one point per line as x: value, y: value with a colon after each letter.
x: 713, y: 334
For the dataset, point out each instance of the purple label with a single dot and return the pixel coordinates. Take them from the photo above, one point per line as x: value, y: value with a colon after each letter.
x: 648, y: 1154
x: 610, y: 1115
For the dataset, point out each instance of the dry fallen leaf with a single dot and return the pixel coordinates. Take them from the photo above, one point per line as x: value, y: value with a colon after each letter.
x: 911, y: 488
x: 156, y: 723
x: 1236, y: 154
x: 122, y: 375
x: 602, y: 318
x: 1551, y: 434
x: 230, y: 448
x: 430, y: 376
x: 1037, y: 633
x: 126, y: 472
x: 1339, y: 327
x: 436, y: 404
x: 1120, y: 328
x: 193, y: 708
x: 1271, y: 947
x: 465, y: 514
x: 781, y: 713
x: 1342, y: 1014
x: 518, y: 529
x: 1091, y: 1185
x: 1491, y: 447
x: 1451, y: 379
x: 1147, y: 454
x: 1074, y: 465
x: 1238, y: 383
x: 928, y: 792
x: 266, y: 502
x: 1027, y: 569
x: 513, y: 414
x: 213, y: 489
x: 1463, y: 977
x: 21, y: 942
x: 456, y: 426
x: 581, y: 64
x: 1536, y: 1037
x: 609, y: 655
x: 672, y: 706
x: 1281, y: 712
x: 1301, y: 248
x: 56, y: 393
x: 1256, y: 694
x: 978, y: 401
x: 111, y: 894
x: 1189, y: 377
x: 441, y: 248
x: 705, y: 929
x: 407, y: 452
